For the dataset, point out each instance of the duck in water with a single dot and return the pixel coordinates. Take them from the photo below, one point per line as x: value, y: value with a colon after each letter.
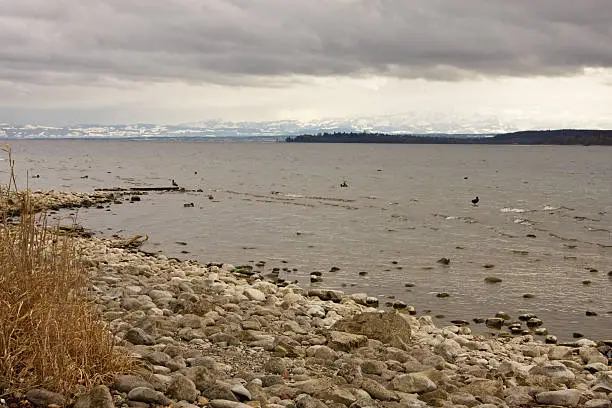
x: 344, y: 184
x: 174, y: 183
x: 475, y: 201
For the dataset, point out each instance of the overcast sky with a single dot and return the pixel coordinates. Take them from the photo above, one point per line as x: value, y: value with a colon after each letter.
x: 529, y: 63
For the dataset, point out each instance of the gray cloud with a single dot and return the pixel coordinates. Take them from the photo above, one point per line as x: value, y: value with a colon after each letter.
x: 250, y: 41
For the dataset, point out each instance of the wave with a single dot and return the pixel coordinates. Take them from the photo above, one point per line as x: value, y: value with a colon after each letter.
x: 512, y: 210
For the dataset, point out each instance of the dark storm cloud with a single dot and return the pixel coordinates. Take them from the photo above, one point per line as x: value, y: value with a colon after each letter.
x: 245, y: 41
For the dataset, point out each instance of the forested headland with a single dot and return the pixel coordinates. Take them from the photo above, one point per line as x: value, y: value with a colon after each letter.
x: 529, y: 137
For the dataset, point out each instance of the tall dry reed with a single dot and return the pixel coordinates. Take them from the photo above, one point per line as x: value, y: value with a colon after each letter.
x: 50, y: 334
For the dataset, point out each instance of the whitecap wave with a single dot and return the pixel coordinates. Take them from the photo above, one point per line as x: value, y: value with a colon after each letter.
x: 522, y: 221
x: 512, y: 210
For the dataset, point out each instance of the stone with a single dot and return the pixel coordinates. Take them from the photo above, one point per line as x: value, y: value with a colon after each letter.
x: 376, y: 390
x: 42, y: 398
x: 342, y: 341
x: 389, y: 327
x: 449, y: 349
x: 126, y: 383
x: 563, y: 398
x: 598, y: 403
x: 555, y: 370
x: 137, y: 336
x: 321, y: 352
x: 156, y: 357
x: 336, y: 394
x: 482, y: 387
x: 591, y: 355
x: 148, y: 395
x: 255, y: 295
x: 494, y: 322
x: 98, y: 397
x: 182, y: 388
x: 303, y: 401
x: 463, y: 398
x: 373, y: 367
x: 413, y: 383
x: 221, y: 403
x: 241, y: 392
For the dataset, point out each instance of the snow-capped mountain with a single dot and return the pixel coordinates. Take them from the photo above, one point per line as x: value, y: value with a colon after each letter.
x: 397, y: 124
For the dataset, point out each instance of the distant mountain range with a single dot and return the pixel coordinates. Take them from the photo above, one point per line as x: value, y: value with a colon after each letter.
x: 389, y: 128
x: 391, y: 124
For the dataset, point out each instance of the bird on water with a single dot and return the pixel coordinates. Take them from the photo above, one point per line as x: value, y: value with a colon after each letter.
x: 174, y: 184
x: 475, y: 201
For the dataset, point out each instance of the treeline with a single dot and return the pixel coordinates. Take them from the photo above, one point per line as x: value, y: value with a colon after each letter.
x: 531, y: 137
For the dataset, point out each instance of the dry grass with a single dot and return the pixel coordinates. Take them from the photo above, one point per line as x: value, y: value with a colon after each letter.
x: 50, y: 334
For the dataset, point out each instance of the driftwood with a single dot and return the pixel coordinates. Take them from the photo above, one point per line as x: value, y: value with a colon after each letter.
x: 173, y: 188
x: 135, y: 242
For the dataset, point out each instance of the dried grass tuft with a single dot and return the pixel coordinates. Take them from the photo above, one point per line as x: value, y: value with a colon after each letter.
x: 50, y: 334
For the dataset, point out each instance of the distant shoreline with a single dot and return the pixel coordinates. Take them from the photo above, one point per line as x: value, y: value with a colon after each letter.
x: 531, y: 137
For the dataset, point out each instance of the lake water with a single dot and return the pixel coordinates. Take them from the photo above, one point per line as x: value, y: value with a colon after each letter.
x: 542, y: 225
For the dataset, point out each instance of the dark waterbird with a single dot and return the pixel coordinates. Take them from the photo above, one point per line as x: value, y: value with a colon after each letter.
x: 475, y: 201
x: 174, y: 183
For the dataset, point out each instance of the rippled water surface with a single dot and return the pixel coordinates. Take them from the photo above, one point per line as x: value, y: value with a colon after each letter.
x: 542, y: 225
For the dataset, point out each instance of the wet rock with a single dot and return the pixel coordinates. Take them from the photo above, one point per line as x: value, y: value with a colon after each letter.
x: 563, y: 398
x: 526, y: 316
x: 398, y: 304
x: 42, y: 398
x: 551, y: 339
x: 333, y: 295
x: 503, y: 315
x: 534, y: 322
x: 98, y: 397
x: 541, y: 331
x: 148, y: 395
x: 413, y: 383
x: 494, y: 323
x: 443, y: 261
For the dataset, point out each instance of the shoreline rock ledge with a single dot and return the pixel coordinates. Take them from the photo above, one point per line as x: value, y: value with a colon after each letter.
x: 209, y: 337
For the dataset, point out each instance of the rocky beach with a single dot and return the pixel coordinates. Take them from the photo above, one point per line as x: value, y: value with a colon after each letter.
x: 223, y: 336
